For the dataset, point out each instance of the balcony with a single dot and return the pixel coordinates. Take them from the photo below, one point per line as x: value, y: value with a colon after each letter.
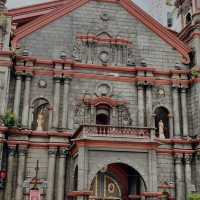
x: 113, y: 131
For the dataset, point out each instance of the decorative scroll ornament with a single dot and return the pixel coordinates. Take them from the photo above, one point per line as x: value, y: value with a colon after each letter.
x: 161, y: 92
x: 42, y: 84
x: 77, y: 51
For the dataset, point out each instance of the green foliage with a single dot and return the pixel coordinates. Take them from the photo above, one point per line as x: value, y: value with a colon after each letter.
x: 194, y: 197
x: 195, y: 74
x: 9, y: 119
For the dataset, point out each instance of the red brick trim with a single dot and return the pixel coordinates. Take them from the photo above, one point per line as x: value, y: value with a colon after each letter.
x: 133, y: 9
x: 44, y: 145
x: 79, y: 193
x: 117, y: 144
x: 40, y: 133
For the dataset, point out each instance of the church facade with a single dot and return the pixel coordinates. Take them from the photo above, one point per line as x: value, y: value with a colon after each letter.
x: 98, y: 101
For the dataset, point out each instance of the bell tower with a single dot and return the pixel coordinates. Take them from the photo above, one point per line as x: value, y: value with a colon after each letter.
x: 5, y: 55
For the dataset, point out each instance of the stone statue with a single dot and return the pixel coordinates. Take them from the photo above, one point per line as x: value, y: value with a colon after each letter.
x: 40, y: 122
x: 161, y: 129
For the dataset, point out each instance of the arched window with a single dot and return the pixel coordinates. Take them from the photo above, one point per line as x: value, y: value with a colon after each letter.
x: 103, y: 114
x: 162, y: 116
x: 40, y: 114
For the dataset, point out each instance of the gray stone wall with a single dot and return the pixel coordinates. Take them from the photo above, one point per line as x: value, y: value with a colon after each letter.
x: 193, y: 109
x: 57, y: 37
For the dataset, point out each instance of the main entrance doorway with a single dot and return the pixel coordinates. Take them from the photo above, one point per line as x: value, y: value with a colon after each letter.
x: 116, y: 182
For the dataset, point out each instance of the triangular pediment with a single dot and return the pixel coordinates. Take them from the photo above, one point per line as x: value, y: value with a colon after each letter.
x: 71, y: 5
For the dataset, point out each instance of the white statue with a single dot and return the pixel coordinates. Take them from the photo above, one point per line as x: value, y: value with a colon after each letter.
x: 40, y: 122
x: 161, y: 129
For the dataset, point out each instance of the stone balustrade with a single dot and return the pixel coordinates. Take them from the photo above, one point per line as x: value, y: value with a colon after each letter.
x: 107, y: 130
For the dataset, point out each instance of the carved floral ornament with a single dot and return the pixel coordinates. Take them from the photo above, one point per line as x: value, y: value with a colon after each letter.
x: 102, y: 48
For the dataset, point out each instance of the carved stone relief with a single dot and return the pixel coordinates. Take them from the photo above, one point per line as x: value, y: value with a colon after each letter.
x: 99, y: 46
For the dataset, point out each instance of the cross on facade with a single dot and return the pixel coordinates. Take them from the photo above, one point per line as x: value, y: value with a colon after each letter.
x: 36, y: 176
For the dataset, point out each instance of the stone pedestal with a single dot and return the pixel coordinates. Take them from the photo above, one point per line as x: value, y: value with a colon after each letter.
x: 9, y: 184
x: 17, y: 95
x: 51, y: 173
x: 22, y: 151
x: 26, y: 103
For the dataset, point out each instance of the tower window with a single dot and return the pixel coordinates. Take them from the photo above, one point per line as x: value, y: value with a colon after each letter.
x: 169, y: 19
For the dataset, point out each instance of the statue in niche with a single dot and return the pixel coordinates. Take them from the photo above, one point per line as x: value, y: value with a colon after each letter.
x: 161, y: 129
x: 40, y: 122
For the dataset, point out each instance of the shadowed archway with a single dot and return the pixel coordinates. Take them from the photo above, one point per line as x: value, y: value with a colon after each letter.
x: 117, y: 181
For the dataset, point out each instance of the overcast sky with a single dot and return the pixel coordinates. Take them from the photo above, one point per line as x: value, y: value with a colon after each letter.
x: 19, y: 3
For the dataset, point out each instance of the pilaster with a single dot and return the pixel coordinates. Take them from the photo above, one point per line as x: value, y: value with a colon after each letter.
x: 22, y: 152
x: 83, y: 169
x: 51, y: 173
x: 9, y: 185
x: 184, y: 111
x: 56, y: 102
x: 180, y: 194
x: 175, y: 96
x: 149, y: 105
x: 26, y: 103
x: 17, y: 95
x: 197, y: 170
x: 171, y: 125
x: 188, y: 173
x: 61, y: 174
x: 140, y: 90
x: 65, y: 103
x: 153, y: 184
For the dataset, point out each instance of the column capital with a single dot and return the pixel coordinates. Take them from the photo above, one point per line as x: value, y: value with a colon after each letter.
x: 178, y: 158
x: 52, y: 152
x: 62, y: 152
x: 22, y: 150
x: 28, y: 77
x: 57, y: 79
x: 198, y: 155
x: 11, y: 150
x: 18, y: 76
x: 188, y: 158
x: 140, y: 86
x: 184, y: 90
x: 170, y: 115
x: 67, y: 80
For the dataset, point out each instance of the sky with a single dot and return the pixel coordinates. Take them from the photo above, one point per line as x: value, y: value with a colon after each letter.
x: 19, y: 3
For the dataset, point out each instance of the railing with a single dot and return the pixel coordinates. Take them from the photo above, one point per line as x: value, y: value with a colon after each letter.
x: 104, y: 130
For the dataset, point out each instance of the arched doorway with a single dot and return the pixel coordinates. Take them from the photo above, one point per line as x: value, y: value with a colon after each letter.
x: 162, y: 114
x: 117, y: 181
